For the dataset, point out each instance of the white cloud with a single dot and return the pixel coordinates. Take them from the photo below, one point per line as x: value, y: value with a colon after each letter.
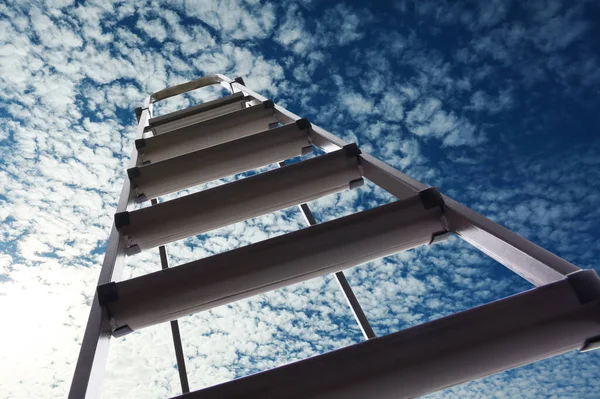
x: 482, y: 101
x: 71, y: 76
x: 428, y: 119
x: 153, y: 28
x: 293, y: 35
x: 391, y: 107
x: 356, y: 104
x: 346, y: 23
x: 233, y: 19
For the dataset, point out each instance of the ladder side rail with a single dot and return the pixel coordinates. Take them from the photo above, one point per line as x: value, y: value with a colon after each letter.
x: 528, y: 260
x: 357, y: 310
x: 89, y: 369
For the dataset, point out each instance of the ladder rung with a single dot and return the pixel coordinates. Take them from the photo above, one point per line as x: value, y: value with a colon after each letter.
x: 475, y: 343
x: 238, y: 100
x: 222, y: 160
x: 240, y: 200
x: 277, y: 262
x: 197, y: 118
x: 206, y: 133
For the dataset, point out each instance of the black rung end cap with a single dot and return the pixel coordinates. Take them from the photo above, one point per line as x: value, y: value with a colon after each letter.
x: 307, y: 150
x: 431, y: 197
x: 268, y: 104
x: 141, y: 198
x: 121, y: 331
x: 356, y: 183
x: 586, y: 285
x: 107, y: 293
x: 138, y: 114
x: 132, y: 173
x: 439, y: 237
x: 121, y: 220
x: 133, y: 250
x: 303, y: 124
x: 240, y: 80
x: 147, y: 129
x: 352, y: 150
x: 140, y: 143
x: 591, y: 344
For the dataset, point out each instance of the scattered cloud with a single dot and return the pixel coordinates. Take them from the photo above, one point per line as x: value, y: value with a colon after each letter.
x: 451, y: 112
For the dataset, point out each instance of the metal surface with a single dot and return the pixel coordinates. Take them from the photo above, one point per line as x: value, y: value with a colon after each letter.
x: 197, y: 118
x: 523, y: 257
x: 240, y: 200
x: 89, y: 369
x: 237, y: 100
x: 189, y: 86
x: 219, y: 161
x: 357, y: 311
x: 203, y: 134
x: 475, y: 343
x: 277, y: 262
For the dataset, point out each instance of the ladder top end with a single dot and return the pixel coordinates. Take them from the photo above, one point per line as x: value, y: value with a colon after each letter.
x: 121, y: 331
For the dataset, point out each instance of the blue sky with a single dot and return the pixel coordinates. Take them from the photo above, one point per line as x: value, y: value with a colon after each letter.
x: 494, y: 102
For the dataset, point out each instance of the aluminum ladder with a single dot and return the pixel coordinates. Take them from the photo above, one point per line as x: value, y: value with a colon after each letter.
x: 244, y: 131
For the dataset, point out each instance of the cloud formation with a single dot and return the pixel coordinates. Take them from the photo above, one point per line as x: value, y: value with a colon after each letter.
x: 492, y: 102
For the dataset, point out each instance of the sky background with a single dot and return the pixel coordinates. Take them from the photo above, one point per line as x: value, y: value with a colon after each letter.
x: 495, y: 103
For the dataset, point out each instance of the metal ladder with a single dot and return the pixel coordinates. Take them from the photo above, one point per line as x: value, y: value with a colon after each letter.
x: 244, y: 131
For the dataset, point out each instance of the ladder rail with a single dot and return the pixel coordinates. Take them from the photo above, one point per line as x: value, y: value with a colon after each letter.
x: 89, y: 369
